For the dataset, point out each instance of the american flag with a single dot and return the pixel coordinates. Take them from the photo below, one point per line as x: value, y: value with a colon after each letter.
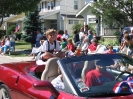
x: 17, y: 27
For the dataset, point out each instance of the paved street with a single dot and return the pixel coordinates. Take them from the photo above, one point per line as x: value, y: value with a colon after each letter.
x: 8, y: 59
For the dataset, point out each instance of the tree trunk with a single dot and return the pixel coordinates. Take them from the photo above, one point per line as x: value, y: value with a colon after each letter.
x: 1, y: 22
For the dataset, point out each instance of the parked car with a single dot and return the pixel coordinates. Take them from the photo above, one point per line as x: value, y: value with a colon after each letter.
x: 26, y: 80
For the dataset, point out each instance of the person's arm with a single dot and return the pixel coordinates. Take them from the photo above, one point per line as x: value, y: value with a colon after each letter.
x: 123, y: 46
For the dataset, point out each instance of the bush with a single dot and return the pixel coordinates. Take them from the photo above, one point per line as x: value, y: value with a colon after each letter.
x: 77, y: 27
x: 108, y: 42
x: 18, y: 35
x: 117, y: 34
x: 11, y: 28
x: 27, y: 39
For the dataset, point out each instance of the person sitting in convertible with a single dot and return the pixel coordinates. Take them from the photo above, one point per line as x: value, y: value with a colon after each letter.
x: 51, y: 46
x: 99, y: 76
x: 58, y: 81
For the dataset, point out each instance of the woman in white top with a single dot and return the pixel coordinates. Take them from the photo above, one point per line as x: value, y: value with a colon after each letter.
x: 37, y: 50
x: 6, y: 46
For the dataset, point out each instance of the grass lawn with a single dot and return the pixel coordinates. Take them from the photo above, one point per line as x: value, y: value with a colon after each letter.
x: 23, y: 45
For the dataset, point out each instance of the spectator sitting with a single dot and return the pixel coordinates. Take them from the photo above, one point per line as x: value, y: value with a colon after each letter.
x: 85, y: 46
x: 70, y: 46
x: 3, y: 41
x: 92, y: 47
x: 35, y: 50
x: 58, y: 81
x: 63, y: 43
x: 110, y: 50
x: 6, y: 46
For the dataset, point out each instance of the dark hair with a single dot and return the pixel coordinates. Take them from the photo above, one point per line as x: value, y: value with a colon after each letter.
x: 75, y: 31
x: 127, y: 37
x: 86, y: 26
x: 64, y: 39
x: 110, y: 47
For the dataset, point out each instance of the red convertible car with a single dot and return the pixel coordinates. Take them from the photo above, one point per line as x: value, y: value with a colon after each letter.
x: 26, y: 80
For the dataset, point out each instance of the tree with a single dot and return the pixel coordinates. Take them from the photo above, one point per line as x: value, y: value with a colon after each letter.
x: 119, y: 12
x: 31, y: 22
x: 8, y: 7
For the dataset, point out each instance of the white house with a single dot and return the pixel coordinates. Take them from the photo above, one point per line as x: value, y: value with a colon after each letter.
x: 60, y: 14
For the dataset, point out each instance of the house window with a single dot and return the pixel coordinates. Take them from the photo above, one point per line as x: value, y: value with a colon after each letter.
x: 76, y: 4
x: 73, y: 21
x: 76, y: 21
x: 42, y: 4
x: 70, y: 21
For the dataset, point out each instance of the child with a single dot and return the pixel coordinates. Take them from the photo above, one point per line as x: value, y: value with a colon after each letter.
x: 70, y: 46
x: 51, y: 45
x: 110, y: 50
x: 63, y: 43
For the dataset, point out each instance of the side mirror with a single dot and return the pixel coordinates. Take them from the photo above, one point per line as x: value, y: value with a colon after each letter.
x: 45, y: 85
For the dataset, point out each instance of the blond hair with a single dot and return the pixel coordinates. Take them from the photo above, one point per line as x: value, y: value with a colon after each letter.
x: 51, y: 31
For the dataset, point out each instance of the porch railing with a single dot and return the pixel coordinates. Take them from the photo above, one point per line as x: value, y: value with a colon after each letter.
x: 50, y: 8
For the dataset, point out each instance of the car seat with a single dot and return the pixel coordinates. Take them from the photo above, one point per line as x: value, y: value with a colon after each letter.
x: 87, y: 67
x: 51, y: 69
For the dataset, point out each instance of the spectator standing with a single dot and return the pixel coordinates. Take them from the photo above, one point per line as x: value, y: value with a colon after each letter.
x: 59, y: 35
x: 129, y: 43
x: 81, y: 34
x: 90, y: 36
x: 86, y: 29
x: 76, y: 38
x: 33, y: 39
x: 38, y: 36
x: 12, y: 39
x: 65, y: 35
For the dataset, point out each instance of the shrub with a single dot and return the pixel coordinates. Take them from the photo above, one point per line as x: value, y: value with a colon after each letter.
x: 77, y: 27
x: 18, y: 35
x: 117, y: 34
x: 108, y: 42
x: 11, y: 28
x: 27, y: 39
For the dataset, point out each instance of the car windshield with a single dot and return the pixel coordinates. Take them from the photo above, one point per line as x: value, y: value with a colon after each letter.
x: 90, y: 72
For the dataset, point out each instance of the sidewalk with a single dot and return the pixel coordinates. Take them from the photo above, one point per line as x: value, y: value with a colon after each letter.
x: 21, y: 58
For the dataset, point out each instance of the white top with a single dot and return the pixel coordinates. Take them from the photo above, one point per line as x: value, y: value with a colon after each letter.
x: 85, y: 46
x: 7, y: 43
x: 123, y: 68
x: 81, y: 34
x: 36, y: 50
x: 51, y: 46
x: 38, y: 37
x: 57, y: 83
x: 66, y: 36
x: 12, y: 38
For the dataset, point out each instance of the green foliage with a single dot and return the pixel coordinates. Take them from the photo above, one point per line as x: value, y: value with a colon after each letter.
x: 114, y: 15
x: 91, y: 27
x: 61, y: 31
x: 11, y: 28
x: 8, y: 7
x: 18, y: 35
x: 26, y: 37
x: 31, y: 22
x: 108, y: 42
x: 77, y: 27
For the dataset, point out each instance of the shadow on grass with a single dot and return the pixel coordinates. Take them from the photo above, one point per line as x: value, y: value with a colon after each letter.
x: 20, y: 53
